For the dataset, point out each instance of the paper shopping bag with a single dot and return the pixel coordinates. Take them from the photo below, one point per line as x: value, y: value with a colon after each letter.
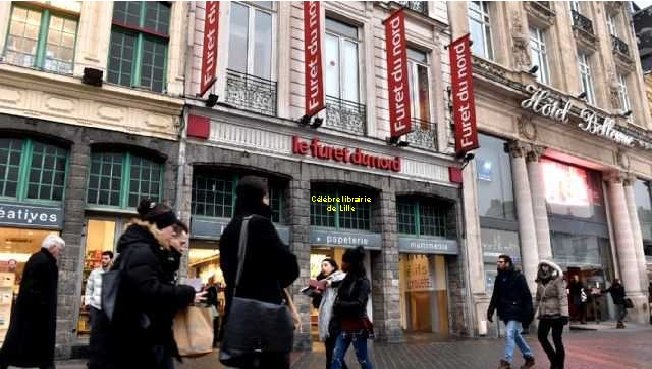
x: 193, y: 331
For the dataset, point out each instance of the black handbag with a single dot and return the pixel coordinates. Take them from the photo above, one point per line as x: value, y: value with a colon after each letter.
x: 629, y: 304
x: 253, y: 327
x: 110, y: 286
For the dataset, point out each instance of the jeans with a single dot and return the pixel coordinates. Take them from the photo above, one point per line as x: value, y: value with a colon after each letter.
x: 556, y: 355
x: 513, y: 331
x: 342, y: 343
x: 620, y: 312
x: 329, y: 344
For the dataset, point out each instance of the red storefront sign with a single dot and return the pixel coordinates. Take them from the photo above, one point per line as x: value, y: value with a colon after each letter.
x: 343, y: 154
x: 466, y: 130
x: 314, y: 69
x: 400, y: 117
x: 198, y: 126
x: 209, y: 60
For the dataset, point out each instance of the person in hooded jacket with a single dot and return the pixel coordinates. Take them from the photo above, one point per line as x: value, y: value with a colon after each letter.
x: 148, y: 299
x: 269, y: 265
x: 513, y: 300
x: 551, y: 305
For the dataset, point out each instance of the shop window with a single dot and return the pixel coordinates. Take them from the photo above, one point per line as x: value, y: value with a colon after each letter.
x: 42, y: 38
x: 419, y: 87
x: 139, y: 44
x: 32, y: 170
x: 122, y: 180
x: 337, y: 215
x: 496, y: 242
x: 644, y: 207
x: 495, y: 195
x: 480, y: 25
x: 213, y: 195
x: 18, y: 244
x: 421, y: 218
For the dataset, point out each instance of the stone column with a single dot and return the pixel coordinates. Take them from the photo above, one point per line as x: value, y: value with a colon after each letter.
x: 385, y: 273
x: 537, y: 186
x: 626, y: 255
x: 628, y: 186
x: 526, y: 225
x: 299, y: 221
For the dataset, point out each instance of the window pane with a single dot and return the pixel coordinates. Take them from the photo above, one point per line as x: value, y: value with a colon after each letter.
x: 417, y: 56
x: 644, y: 207
x: 212, y: 195
x: 157, y: 17
x: 319, y: 214
x: 276, y: 202
x: 477, y: 35
x: 264, y: 4
x: 361, y: 218
x: 145, y: 180
x: 22, y: 39
x: 153, y: 68
x: 263, y: 45
x: 340, y: 28
x: 432, y: 219
x: 495, y: 196
x: 423, y: 113
x: 332, y: 66
x: 106, y: 167
x: 10, y: 150
x: 406, y: 217
x: 121, y: 57
x: 46, y: 179
x: 239, y: 38
x: 127, y: 12
x: 350, y: 65
x: 60, y: 45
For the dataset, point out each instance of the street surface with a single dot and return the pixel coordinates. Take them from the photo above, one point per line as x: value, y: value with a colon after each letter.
x: 605, y: 349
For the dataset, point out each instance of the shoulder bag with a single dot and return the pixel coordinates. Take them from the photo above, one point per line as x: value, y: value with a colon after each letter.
x: 253, y: 327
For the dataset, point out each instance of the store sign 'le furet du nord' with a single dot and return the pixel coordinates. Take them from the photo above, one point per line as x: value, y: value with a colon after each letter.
x: 356, y: 156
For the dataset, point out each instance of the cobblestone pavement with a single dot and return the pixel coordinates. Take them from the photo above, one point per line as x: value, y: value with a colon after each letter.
x: 605, y: 349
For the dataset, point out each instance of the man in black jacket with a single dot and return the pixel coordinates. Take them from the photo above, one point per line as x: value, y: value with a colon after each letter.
x: 617, y: 292
x: 269, y: 265
x: 513, y: 300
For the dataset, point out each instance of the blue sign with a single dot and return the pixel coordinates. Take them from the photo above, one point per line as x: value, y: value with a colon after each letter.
x: 209, y: 228
x: 427, y: 245
x: 350, y: 239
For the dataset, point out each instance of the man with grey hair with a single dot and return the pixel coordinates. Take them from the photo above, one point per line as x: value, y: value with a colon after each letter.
x: 30, y: 338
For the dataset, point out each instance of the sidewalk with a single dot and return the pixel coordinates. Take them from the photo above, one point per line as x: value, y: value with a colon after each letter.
x: 607, y: 348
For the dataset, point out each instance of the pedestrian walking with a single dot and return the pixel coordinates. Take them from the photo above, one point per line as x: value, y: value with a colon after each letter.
x: 617, y: 292
x: 30, y: 338
x: 331, y: 276
x: 99, y: 323
x: 512, y: 299
x: 212, y: 300
x: 269, y: 265
x: 579, y: 297
x: 350, y: 311
x: 147, y: 301
x: 551, y: 306
x: 649, y: 299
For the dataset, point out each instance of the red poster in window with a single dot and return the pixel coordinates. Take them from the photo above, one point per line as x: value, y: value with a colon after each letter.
x: 313, y: 63
x: 400, y: 115
x: 209, y: 59
x: 466, y: 130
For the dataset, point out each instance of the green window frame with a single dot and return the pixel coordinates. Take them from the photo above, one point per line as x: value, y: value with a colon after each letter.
x: 320, y: 216
x: 213, y: 195
x: 421, y: 218
x: 122, y: 179
x: 139, y: 44
x: 32, y: 171
x: 41, y: 38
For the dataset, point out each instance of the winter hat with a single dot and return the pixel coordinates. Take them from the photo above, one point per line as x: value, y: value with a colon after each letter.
x: 252, y: 188
x: 158, y: 213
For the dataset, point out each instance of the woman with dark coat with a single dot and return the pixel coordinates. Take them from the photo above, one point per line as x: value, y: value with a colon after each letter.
x: 350, y: 310
x: 269, y: 265
x: 31, y: 335
x: 141, y: 330
x: 551, y: 305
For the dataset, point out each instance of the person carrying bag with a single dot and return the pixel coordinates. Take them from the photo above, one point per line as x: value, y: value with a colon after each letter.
x: 258, y: 324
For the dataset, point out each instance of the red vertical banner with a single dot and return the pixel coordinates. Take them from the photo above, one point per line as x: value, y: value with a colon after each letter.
x: 314, y: 69
x: 400, y: 108
x: 466, y: 129
x: 209, y: 59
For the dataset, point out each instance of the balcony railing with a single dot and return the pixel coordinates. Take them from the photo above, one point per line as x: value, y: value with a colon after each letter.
x: 619, y: 45
x: 583, y: 23
x: 423, y: 135
x: 345, y: 116
x: 545, y: 4
x: 249, y: 92
x: 417, y: 6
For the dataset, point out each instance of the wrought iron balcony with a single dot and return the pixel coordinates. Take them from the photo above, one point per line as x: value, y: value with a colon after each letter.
x: 583, y: 23
x: 619, y: 45
x: 417, y: 6
x: 249, y: 92
x: 423, y: 135
x: 545, y: 4
x: 345, y: 116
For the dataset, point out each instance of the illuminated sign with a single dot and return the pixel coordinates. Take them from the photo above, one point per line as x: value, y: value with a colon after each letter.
x: 565, y: 185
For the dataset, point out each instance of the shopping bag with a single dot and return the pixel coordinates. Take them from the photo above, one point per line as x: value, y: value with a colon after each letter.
x: 193, y: 331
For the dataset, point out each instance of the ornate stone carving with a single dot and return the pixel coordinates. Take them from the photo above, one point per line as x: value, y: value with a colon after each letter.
x: 516, y: 149
x: 613, y: 88
x: 622, y: 159
x: 534, y: 153
x: 526, y: 127
x: 542, y: 11
x: 614, y: 176
x: 520, y: 43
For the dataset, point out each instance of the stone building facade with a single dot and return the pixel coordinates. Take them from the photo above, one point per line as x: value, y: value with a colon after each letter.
x: 557, y: 186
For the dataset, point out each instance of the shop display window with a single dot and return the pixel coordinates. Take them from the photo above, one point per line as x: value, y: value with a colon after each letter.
x: 18, y: 244
x: 495, y: 194
x: 572, y: 191
x: 204, y: 263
